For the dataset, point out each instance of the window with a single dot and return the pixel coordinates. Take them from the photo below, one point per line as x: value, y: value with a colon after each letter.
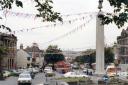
x: 28, y: 58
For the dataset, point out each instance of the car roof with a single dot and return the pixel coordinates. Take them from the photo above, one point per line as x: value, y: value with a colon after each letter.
x: 25, y: 74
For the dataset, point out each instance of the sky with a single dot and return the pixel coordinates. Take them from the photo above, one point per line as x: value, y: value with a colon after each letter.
x: 82, y: 39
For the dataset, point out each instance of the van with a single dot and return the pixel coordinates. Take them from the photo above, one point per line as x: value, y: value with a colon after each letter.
x: 111, y: 70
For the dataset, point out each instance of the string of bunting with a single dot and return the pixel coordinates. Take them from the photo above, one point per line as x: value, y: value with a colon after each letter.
x: 54, y: 24
x: 28, y: 15
x: 70, y: 32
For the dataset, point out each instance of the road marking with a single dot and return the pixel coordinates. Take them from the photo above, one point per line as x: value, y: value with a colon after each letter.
x: 39, y: 84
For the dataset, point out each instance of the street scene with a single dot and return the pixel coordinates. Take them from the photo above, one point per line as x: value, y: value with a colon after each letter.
x: 63, y: 42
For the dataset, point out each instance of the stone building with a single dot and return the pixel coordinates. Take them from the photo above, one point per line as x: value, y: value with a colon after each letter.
x: 23, y: 58
x: 122, y: 42
x: 9, y: 41
x: 36, y: 53
x: 122, y: 46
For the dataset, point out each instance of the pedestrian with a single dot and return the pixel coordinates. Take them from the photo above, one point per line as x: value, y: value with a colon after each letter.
x: 87, y: 71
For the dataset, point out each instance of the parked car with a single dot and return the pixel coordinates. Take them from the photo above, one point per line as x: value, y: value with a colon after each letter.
x: 24, y: 78
x: 85, y: 70
x: 75, y: 66
x: 20, y: 70
x: 15, y: 72
x: 111, y: 70
x: 32, y: 74
x: 6, y: 74
x: 47, y: 69
x: 122, y: 74
x: 74, y: 74
x: 35, y: 70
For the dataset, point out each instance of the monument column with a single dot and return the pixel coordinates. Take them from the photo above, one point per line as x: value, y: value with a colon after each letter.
x: 99, y: 43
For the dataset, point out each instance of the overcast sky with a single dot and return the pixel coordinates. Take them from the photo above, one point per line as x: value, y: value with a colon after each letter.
x: 82, y: 39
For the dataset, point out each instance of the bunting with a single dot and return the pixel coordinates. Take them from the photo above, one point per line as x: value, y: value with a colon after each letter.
x: 71, y: 21
x: 70, y: 32
x: 28, y: 15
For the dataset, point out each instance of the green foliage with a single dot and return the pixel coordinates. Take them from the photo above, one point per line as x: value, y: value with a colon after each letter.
x: 45, y: 11
x: 19, y: 3
x: 90, y: 58
x: 109, y: 55
x: 86, y: 58
x: 43, y: 7
x: 3, y: 50
x: 119, y: 15
x: 4, y: 27
x: 53, y: 54
x: 7, y: 4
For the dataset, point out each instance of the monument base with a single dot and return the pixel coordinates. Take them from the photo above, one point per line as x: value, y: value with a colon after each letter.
x: 99, y: 74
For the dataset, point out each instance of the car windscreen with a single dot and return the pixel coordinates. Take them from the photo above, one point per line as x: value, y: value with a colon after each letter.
x: 24, y: 76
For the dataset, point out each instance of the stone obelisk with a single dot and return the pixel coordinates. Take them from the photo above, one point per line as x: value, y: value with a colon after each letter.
x: 99, y: 43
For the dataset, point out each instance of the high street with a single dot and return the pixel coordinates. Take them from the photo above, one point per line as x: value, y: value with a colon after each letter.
x: 38, y: 80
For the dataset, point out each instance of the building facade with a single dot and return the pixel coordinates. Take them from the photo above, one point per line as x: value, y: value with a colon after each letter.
x: 23, y: 58
x: 63, y: 67
x: 122, y: 47
x: 9, y: 41
x: 122, y: 42
x: 36, y: 53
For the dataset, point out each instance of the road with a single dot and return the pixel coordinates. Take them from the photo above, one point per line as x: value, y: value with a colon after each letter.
x: 38, y: 80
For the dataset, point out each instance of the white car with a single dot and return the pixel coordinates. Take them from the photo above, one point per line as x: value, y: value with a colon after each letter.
x: 47, y: 69
x: 74, y: 74
x: 35, y: 70
x: 25, y: 78
x: 6, y: 74
x: 122, y: 74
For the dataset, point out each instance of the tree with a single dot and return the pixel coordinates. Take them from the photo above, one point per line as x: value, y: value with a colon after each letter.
x: 109, y: 55
x: 43, y: 7
x: 90, y: 56
x: 53, y: 54
x: 119, y: 15
x: 87, y: 57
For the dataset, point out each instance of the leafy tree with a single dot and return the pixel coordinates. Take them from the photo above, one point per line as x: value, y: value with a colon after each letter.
x: 109, y: 55
x: 44, y: 8
x: 119, y: 15
x: 53, y: 54
x: 91, y: 57
x: 86, y: 58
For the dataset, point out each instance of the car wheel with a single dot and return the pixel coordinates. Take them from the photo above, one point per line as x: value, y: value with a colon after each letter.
x: 18, y: 83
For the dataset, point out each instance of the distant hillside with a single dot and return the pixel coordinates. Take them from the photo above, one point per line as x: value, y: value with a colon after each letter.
x: 72, y: 54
